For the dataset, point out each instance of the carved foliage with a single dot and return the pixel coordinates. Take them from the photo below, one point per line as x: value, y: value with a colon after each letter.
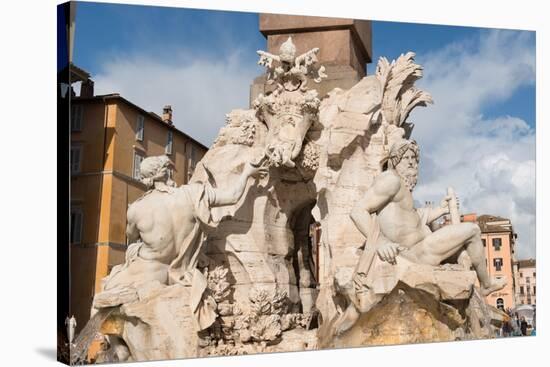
x: 218, y: 285
x: 397, y: 80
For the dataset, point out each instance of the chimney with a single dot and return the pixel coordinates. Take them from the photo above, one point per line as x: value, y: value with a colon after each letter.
x: 167, y: 114
x: 87, y: 88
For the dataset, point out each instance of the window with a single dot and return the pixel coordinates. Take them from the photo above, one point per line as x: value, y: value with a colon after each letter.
x: 500, y: 303
x: 138, y: 158
x: 191, y: 160
x: 521, y: 290
x: 528, y: 291
x: 497, y: 262
x: 76, y: 225
x: 140, y: 127
x: 76, y: 117
x: 484, y: 242
x: 520, y: 274
x: 76, y: 158
x: 534, y: 275
x: 534, y: 290
x: 528, y: 280
x: 497, y: 243
x: 528, y: 299
x: 169, y: 142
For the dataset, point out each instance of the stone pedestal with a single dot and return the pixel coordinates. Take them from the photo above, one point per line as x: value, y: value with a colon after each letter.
x: 345, y: 47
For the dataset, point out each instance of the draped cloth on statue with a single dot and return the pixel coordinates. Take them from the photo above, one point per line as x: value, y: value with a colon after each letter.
x: 372, y: 274
x: 183, y: 269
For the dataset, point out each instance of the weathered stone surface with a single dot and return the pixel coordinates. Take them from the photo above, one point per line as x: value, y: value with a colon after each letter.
x: 115, y: 297
x: 161, y: 326
x: 406, y: 316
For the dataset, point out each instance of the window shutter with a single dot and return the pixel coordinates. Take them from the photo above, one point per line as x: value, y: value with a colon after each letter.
x: 140, y: 127
x: 79, y: 114
x: 76, y: 226
x: 75, y: 159
x: 76, y: 117
x: 169, y: 142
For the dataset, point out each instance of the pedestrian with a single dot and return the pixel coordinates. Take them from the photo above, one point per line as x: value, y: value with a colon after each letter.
x: 506, y: 329
x: 523, y: 326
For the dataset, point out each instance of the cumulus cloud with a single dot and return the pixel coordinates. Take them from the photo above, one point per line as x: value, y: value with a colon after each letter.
x: 200, y: 89
x: 489, y: 161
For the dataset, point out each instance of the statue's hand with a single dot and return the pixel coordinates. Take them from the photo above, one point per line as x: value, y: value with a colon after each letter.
x: 251, y: 170
x: 388, y: 251
x: 444, y: 204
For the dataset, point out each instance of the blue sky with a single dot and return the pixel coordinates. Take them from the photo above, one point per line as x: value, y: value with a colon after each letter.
x: 479, y: 135
x: 113, y: 30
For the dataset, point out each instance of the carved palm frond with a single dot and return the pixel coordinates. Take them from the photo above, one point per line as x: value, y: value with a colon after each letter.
x: 399, y: 94
x: 410, y: 99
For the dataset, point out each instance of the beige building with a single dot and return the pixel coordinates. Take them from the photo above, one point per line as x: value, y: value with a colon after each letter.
x: 526, y: 282
x: 110, y: 136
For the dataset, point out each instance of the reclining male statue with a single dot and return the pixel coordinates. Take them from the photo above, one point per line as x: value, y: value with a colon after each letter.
x: 164, y: 229
x: 395, y: 229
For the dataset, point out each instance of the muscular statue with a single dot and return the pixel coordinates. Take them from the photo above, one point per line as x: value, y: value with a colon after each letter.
x: 394, y: 228
x: 164, y: 229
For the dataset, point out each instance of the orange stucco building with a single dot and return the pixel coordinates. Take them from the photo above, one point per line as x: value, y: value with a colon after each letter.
x: 109, y: 138
x: 498, y: 237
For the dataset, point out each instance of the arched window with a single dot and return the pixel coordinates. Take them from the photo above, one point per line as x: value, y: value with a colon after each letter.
x: 500, y: 303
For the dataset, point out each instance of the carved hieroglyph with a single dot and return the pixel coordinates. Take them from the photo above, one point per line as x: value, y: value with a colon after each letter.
x: 250, y: 278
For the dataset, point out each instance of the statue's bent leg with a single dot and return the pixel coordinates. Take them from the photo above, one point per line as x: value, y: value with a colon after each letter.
x: 446, y: 241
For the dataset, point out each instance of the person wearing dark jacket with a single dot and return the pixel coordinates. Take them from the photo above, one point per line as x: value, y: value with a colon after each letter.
x: 523, y: 326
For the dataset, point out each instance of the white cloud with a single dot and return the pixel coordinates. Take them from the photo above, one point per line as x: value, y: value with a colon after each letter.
x: 489, y: 161
x: 201, y: 90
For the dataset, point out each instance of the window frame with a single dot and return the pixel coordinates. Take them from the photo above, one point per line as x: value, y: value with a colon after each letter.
x: 168, y: 149
x: 135, y: 168
x: 77, y: 116
x: 500, y: 262
x: 493, y: 243
x: 140, y: 127
x: 75, y: 147
x: 76, y: 212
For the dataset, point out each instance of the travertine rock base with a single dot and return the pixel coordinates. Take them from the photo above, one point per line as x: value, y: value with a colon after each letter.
x: 160, y: 326
x: 409, y: 315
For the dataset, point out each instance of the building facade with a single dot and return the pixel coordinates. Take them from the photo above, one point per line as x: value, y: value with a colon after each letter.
x: 526, y: 282
x: 110, y: 136
x: 498, y: 238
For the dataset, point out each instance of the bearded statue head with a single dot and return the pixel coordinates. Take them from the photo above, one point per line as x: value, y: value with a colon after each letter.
x: 404, y: 156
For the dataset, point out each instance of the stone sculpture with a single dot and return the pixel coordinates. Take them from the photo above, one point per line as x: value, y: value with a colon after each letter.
x: 196, y: 285
x: 396, y: 232
x: 291, y: 108
x: 165, y: 227
x: 71, y: 326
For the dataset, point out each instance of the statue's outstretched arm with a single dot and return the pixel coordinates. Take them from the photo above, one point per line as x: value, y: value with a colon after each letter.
x: 431, y: 214
x: 232, y: 194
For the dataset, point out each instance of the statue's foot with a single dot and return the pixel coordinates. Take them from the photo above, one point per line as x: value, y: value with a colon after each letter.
x: 346, y: 320
x: 496, y: 284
